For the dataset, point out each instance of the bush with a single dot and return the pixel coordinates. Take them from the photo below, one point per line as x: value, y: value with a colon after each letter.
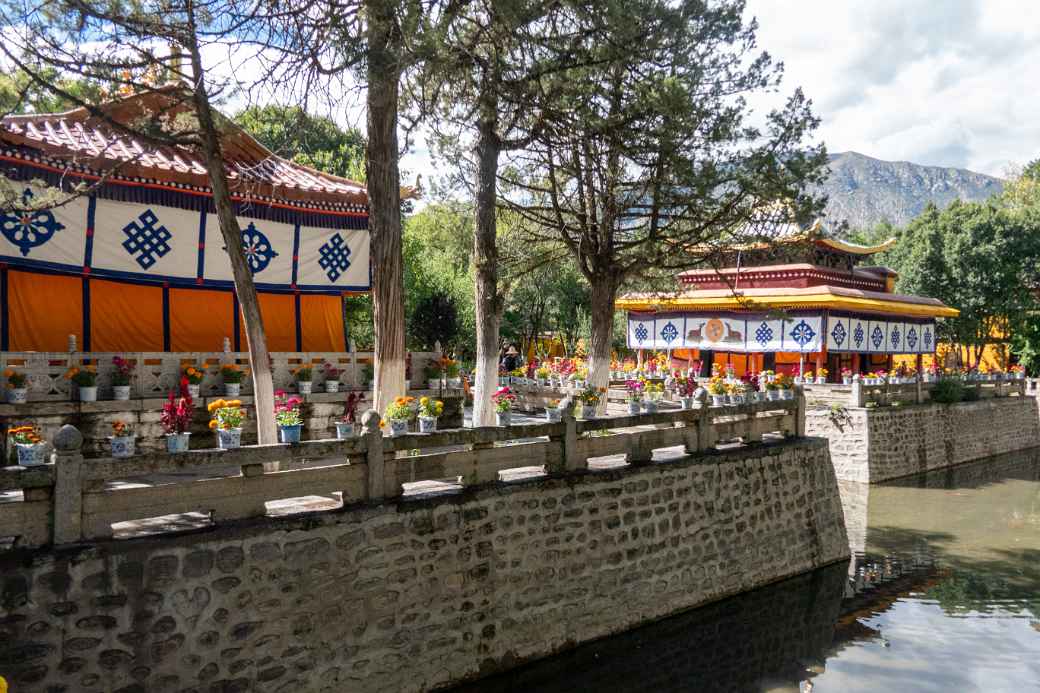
x: 948, y: 391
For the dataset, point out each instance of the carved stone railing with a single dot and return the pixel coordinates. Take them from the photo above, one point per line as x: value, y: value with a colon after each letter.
x: 861, y: 394
x: 70, y: 500
x: 156, y: 373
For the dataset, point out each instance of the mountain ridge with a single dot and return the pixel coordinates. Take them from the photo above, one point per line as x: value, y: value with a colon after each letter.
x: 864, y: 191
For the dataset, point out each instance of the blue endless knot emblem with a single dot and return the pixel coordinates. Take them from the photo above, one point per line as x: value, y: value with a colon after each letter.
x: 257, y: 248
x: 764, y: 334
x: 148, y: 240
x: 877, y: 336
x: 895, y: 338
x: 669, y: 332
x: 641, y: 333
x: 927, y: 339
x: 29, y: 229
x: 857, y: 334
x: 911, y: 337
x: 839, y: 334
x: 802, y: 333
x: 335, y: 257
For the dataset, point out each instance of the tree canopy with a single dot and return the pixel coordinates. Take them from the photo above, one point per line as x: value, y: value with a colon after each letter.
x: 311, y: 140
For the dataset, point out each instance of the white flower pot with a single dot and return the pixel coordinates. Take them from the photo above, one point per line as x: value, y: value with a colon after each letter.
x: 232, y: 389
x: 30, y: 455
x: 772, y: 395
x: 433, y: 384
x: 455, y: 383
x: 686, y: 402
x: 787, y: 394
x: 553, y: 414
x: 123, y: 446
x: 589, y: 411
x: 846, y: 380
x: 177, y: 442
x: 633, y: 408
x: 18, y: 395
x: 194, y: 391
x: 304, y: 386
x: 229, y: 438
x: 121, y: 393
x: 331, y: 386
x: 345, y: 430
x: 427, y: 424
x: 718, y: 400
x: 821, y: 380
x: 503, y: 418
x: 398, y: 427
x: 88, y: 394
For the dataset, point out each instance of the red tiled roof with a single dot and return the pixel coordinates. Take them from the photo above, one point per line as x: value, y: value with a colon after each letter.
x: 92, y: 144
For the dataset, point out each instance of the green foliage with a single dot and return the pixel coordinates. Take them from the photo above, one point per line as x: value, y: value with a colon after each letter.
x: 311, y: 140
x: 948, y: 391
x: 435, y: 319
x: 20, y: 94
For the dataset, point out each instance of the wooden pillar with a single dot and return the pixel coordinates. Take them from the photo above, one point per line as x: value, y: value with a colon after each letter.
x: 855, y: 363
x: 821, y: 359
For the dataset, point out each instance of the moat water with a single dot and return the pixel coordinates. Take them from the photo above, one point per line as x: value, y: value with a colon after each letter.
x: 943, y: 594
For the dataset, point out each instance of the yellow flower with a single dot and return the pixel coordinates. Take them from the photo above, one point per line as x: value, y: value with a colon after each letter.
x: 214, y: 405
x: 71, y: 373
x: 233, y: 403
x: 424, y: 401
x: 212, y: 424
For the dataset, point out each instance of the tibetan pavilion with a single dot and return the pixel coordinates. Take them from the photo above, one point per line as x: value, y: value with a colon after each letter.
x: 137, y: 265
x: 803, y: 301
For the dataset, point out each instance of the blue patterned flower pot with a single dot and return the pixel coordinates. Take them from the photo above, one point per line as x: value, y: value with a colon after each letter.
x: 290, y: 434
x: 18, y: 395
x: 229, y: 438
x: 553, y: 414
x: 304, y: 386
x: 398, y: 427
x: 177, y: 442
x: 345, y: 430
x: 29, y: 455
x: 502, y: 418
x: 331, y: 386
x: 427, y: 424
x: 121, y: 393
x: 232, y: 389
x: 123, y: 446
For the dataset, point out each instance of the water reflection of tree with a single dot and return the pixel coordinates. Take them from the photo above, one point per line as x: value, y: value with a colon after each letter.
x: 960, y: 592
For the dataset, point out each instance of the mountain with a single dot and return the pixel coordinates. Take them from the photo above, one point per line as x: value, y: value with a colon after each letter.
x: 864, y: 191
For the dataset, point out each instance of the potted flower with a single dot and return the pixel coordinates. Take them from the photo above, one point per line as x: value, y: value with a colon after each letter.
x: 86, y: 380
x: 821, y: 376
x: 588, y: 400
x: 176, y: 420
x: 368, y: 372
x: 288, y: 417
x: 542, y: 375
x: 429, y: 410
x: 17, y: 392
x: 806, y: 377
x: 635, y: 396
x: 226, y: 419
x: 433, y: 372
x: 331, y: 377
x: 29, y: 444
x: 503, y: 401
x: 451, y: 372
x: 653, y: 394
x: 931, y: 373
x: 1018, y: 371
x: 232, y: 375
x: 122, y: 440
x: 717, y: 390
x: 304, y: 379
x: 194, y: 376
x: 772, y: 390
x: 122, y: 372
x: 785, y: 385
x: 686, y: 392
x: 553, y: 413
x: 846, y: 376
x: 736, y: 392
x: 399, y: 413
x: 346, y: 427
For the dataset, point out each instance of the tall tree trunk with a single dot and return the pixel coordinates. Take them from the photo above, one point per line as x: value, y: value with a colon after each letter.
x: 487, y: 300
x: 256, y: 340
x: 384, y: 201
x: 602, y: 295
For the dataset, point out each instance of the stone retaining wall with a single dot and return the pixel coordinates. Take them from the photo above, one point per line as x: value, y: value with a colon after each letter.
x: 871, y: 445
x: 413, y: 595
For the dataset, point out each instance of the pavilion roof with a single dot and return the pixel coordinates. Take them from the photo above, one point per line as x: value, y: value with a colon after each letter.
x: 87, y: 143
x: 813, y: 297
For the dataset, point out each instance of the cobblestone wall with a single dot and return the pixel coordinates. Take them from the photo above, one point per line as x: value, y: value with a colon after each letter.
x: 871, y: 445
x: 414, y: 595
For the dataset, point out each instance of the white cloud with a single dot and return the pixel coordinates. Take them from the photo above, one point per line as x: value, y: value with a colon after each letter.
x: 949, y: 83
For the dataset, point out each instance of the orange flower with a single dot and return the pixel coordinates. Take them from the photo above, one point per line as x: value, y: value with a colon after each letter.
x: 212, y: 424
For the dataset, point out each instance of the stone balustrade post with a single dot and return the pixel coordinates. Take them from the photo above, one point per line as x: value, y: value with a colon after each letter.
x: 376, y: 477
x: 919, y: 390
x: 859, y: 397
x: 571, y: 459
x: 68, y: 485
x: 799, y: 414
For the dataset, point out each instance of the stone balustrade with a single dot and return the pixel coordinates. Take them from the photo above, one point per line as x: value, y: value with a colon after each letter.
x: 860, y: 394
x: 72, y: 499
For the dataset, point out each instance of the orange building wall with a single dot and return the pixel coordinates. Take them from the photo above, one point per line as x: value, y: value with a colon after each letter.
x: 43, y: 310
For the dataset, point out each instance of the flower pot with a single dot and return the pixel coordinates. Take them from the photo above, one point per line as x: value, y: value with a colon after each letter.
x: 553, y: 414
x: 772, y: 395
x: 433, y: 384
x: 229, y: 438
x: 123, y: 446
x: 503, y: 381
x: 18, y: 395
x: 398, y: 427
x: 588, y: 411
x: 290, y: 434
x: 787, y: 394
x: 232, y: 389
x: 736, y: 399
x: 88, y: 394
x: 177, y: 442
x: 821, y: 380
x: 846, y: 380
x: 194, y: 390
x: 121, y: 393
x: 331, y: 386
x: 541, y: 382
x: 634, y: 407
x: 718, y: 400
x: 345, y: 430
x: 31, y: 454
x: 503, y: 418
x: 650, y: 406
x: 455, y: 383
x: 427, y: 424
x: 304, y: 386
x: 686, y: 402
x: 407, y: 385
